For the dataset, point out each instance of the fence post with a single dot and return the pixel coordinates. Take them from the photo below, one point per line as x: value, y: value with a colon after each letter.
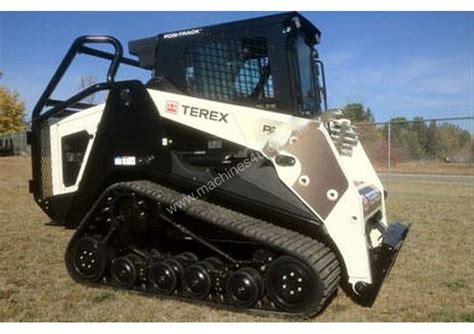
x: 389, y: 152
x: 21, y: 143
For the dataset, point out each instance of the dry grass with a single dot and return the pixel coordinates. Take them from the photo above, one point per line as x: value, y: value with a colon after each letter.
x: 433, y: 279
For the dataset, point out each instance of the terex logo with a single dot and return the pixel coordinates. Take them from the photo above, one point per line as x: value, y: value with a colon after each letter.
x: 172, y: 107
x: 211, y: 115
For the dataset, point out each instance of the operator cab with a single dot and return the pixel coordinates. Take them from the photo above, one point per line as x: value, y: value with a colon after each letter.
x: 267, y: 63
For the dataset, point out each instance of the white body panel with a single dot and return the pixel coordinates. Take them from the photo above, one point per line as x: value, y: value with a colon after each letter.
x: 359, y: 169
x: 245, y: 126
x: 86, y: 120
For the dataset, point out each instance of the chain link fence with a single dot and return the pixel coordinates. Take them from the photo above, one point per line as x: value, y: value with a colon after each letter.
x: 434, y: 146
x: 440, y: 147
x: 14, y: 144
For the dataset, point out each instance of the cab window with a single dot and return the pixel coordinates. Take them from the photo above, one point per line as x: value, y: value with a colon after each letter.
x: 73, y: 150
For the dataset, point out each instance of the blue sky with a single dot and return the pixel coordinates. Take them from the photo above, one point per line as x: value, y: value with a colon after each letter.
x: 397, y: 63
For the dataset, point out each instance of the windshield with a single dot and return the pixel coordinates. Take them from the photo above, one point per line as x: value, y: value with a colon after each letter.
x: 308, y: 78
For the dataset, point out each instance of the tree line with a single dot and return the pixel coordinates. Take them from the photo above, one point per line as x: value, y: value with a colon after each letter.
x: 414, y: 139
x: 12, y: 111
x: 12, y: 108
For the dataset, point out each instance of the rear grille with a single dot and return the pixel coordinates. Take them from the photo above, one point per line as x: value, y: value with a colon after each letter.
x: 45, y: 171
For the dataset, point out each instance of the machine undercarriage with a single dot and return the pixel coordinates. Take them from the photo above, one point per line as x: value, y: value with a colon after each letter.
x: 203, y: 252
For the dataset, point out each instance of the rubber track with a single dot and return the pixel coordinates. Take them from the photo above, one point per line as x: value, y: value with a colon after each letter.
x: 314, y: 253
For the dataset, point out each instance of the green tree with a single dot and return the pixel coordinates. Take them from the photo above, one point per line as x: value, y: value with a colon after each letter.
x: 12, y: 111
x: 405, y: 139
x: 396, y: 125
x: 419, y: 127
x: 450, y: 140
x: 357, y: 113
x: 431, y: 147
x: 413, y: 140
x: 410, y: 148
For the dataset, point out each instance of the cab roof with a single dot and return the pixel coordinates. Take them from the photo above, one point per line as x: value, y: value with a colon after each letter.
x: 145, y: 48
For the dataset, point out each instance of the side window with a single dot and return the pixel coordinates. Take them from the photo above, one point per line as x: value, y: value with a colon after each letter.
x: 233, y: 70
x: 73, y: 148
x: 309, y: 98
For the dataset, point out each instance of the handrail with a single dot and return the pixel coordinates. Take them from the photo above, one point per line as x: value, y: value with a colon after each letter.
x: 74, y: 99
x: 323, y: 78
x: 77, y: 47
x: 106, y: 55
x: 78, y: 105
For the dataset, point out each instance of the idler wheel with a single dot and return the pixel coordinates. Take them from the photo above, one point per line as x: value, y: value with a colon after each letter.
x: 245, y: 287
x: 292, y: 285
x: 86, y: 260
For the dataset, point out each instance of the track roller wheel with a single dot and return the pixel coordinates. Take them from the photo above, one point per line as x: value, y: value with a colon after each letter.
x: 125, y: 270
x: 293, y: 286
x: 197, y: 279
x: 86, y: 260
x: 163, y: 277
x: 245, y: 287
x: 176, y: 264
x: 191, y: 257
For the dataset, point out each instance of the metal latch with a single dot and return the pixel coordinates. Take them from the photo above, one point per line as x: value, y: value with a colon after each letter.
x: 285, y: 160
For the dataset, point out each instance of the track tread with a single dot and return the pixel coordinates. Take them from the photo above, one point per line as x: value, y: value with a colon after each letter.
x: 314, y: 253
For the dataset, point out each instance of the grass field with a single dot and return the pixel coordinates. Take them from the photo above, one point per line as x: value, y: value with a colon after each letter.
x: 428, y: 167
x: 433, y: 279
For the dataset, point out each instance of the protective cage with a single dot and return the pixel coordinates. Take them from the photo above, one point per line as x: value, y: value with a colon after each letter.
x: 41, y: 184
x: 262, y: 63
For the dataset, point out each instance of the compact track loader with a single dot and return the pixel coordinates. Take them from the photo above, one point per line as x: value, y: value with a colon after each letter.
x: 223, y: 179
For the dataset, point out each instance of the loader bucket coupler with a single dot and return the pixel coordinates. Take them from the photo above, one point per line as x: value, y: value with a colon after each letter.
x: 383, y: 261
